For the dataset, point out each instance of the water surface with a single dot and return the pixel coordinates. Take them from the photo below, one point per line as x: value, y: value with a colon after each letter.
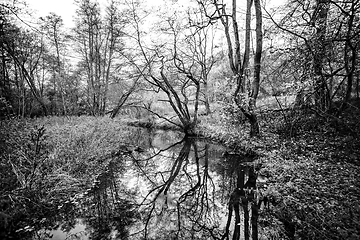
x: 165, y: 186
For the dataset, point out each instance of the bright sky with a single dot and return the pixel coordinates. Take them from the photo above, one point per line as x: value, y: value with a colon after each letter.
x: 64, y: 8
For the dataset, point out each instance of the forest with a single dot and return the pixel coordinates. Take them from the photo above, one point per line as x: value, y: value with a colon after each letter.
x: 181, y: 119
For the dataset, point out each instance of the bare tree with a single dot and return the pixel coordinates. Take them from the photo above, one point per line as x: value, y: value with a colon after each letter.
x: 114, y: 24
x: 201, y: 44
x: 52, y: 26
x: 88, y: 36
x: 25, y: 50
x: 99, y: 43
x: 176, y: 66
x: 123, y: 99
x: 239, y: 64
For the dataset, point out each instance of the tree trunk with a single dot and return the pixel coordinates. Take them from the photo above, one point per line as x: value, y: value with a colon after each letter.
x: 358, y: 85
x: 321, y: 93
x: 241, y: 69
x: 116, y: 110
x: 254, y: 124
x: 59, y: 70
x: 196, y: 105
x: 258, y: 53
x: 206, y: 98
x: 350, y: 56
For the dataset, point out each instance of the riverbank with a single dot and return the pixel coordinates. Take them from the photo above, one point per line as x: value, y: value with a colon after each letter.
x: 312, y: 176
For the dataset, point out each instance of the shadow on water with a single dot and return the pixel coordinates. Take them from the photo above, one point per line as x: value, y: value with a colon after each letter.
x: 165, y: 187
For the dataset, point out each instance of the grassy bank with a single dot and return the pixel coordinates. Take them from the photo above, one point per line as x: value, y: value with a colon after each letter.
x: 46, y: 163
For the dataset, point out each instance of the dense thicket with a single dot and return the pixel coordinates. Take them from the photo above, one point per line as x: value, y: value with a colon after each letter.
x: 319, y: 52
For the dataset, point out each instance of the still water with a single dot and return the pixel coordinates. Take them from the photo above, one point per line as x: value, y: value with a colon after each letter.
x: 164, y: 186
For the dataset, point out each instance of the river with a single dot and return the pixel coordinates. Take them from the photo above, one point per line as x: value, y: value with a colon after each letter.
x: 165, y: 186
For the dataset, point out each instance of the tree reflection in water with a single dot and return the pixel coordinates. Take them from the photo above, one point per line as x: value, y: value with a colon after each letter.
x: 182, y: 198
x: 245, y: 198
x: 184, y: 190
x: 107, y: 213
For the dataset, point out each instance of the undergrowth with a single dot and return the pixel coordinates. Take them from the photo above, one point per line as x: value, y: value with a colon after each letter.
x: 311, y: 160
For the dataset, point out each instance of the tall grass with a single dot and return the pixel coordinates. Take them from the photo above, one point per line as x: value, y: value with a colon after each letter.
x: 78, y: 142
x: 45, y: 162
